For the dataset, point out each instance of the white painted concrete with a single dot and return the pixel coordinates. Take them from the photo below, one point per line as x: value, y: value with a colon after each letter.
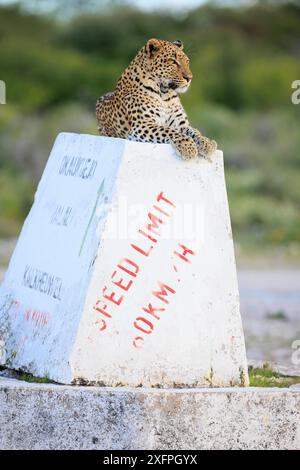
x: 142, y: 291
x: 68, y: 417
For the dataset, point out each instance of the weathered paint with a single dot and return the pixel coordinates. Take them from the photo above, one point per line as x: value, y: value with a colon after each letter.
x: 138, y: 292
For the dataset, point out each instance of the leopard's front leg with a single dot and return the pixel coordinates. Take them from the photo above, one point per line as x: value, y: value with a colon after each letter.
x: 184, y: 144
x: 205, y: 146
x: 180, y: 122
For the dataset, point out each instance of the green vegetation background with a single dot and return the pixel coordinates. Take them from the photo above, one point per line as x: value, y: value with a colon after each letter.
x: 243, y: 59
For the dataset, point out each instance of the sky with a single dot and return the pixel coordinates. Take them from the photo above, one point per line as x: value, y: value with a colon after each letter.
x: 180, y: 4
x: 143, y: 4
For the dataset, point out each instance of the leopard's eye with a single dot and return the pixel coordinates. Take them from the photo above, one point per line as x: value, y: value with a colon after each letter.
x: 175, y: 62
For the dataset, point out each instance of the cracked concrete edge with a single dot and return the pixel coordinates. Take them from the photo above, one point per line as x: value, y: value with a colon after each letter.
x: 50, y: 416
x: 6, y: 382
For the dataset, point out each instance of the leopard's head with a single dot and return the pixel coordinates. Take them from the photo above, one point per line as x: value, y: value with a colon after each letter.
x: 169, y: 64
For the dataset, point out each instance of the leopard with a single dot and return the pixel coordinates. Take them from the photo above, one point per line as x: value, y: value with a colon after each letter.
x: 146, y: 107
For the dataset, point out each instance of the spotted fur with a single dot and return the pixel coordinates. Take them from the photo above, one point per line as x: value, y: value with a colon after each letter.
x: 145, y: 106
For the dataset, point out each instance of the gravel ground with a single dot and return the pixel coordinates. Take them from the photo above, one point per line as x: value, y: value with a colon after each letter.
x: 270, y: 307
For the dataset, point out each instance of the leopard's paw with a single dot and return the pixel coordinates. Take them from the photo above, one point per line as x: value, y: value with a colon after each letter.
x: 187, y: 148
x: 206, y: 147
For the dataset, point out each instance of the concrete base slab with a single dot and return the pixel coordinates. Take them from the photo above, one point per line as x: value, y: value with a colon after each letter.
x: 47, y: 416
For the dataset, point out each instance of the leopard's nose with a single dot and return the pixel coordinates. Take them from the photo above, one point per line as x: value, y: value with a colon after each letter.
x: 187, y: 77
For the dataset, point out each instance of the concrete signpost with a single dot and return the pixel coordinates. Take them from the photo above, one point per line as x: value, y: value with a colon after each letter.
x: 124, y: 272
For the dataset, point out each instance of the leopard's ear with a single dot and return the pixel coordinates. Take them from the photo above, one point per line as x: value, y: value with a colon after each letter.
x: 152, y: 47
x: 178, y: 43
